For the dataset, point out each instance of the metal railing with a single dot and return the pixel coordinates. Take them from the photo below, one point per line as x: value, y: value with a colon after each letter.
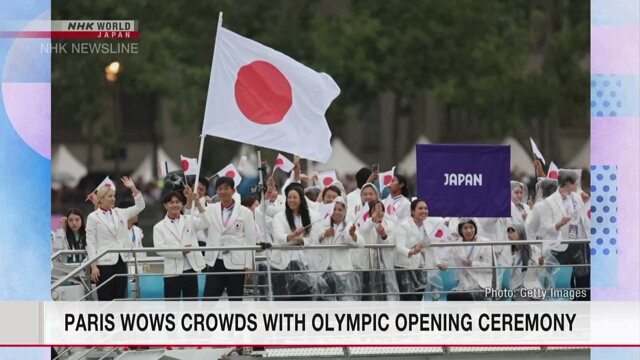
x: 259, y: 258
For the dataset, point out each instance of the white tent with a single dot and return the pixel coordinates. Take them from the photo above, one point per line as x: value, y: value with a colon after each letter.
x: 520, y: 157
x: 251, y: 166
x: 582, y: 160
x: 407, y: 166
x: 148, y: 171
x: 342, y: 160
x: 65, y: 168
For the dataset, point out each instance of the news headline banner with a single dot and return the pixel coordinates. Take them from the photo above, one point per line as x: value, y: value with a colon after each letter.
x: 349, y: 324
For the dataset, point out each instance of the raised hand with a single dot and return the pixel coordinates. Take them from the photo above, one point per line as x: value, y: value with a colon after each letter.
x: 63, y: 223
x: 381, y: 231
x: 329, y: 232
x: 585, y: 197
x: 541, y: 260
x: 352, y: 230
x: 128, y: 183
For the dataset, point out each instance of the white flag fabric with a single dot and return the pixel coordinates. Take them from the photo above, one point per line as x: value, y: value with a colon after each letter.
x: 536, y: 151
x: 189, y: 165
x: 106, y: 182
x: 262, y: 97
x: 553, y: 171
x: 440, y: 233
x: 163, y: 169
x: 363, y: 215
x: 326, y: 210
x: 327, y: 178
x: 283, y: 164
x: 242, y: 163
x: 390, y: 209
x: 232, y: 172
x: 553, y: 244
x: 584, y: 211
x: 385, y: 178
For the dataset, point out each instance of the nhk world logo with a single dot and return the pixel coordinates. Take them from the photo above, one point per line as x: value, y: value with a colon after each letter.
x: 71, y: 29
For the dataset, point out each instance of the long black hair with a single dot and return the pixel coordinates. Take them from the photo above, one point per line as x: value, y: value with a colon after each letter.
x: 525, y: 250
x: 304, y: 210
x: 71, y: 237
x: 402, y: 180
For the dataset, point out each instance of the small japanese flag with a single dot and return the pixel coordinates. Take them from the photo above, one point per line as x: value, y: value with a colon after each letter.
x: 163, y: 169
x: 326, y: 210
x: 553, y: 244
x: 385, y: 179
x: 553, y: 171
x: 363, y: 215
x: 242, y: 163
x: 189, y: 165
x: 106, y: 183
x: 232, y: 172
x: 390, y: 209
x: 327, y: 178
x: 283, y: 164
x: 536, y: 151
x: 440, y: 233
x: 584, y: 211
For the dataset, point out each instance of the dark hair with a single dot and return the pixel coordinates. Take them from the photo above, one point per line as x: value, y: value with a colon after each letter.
x: 304, y: 209
x: 126, y: 204
x: 548, y: 187
x: 294, y: 184
x: 71, y: 238
x: 312, y: 193
x: 525, y: 250
x: 225, y: 180
x: 405, y: 186
x: 332, y: 188
x: 372, y: 206
x: 248, y: 200
x: 362, y: 176
x: 166, y: 198
x: 465, y: 221
x: 566, y: 176
x: 203, y: 180
x: 414, y: 203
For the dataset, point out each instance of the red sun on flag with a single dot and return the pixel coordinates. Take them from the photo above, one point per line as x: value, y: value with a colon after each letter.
x: 387, y: 180
x: 553, y: 175
x: 263, y: 93
x: 185, y: 165
x: 327, y: 181
x: 589, y: 214
x: 279, y: 162
x: 389, y: 210
x: 107, y: 185
x: 439, y: 233
x: 366, y: 216
x: 231, y: 174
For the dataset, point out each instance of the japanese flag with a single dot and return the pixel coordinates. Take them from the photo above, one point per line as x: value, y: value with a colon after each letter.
x: 106, y: 183
x: 385, y: 178
x: 261, y: 97
x: 232, y: 172
x: 440, y: 233
x: 584, y: 211
x: 553, y: 171
x: 536, y: 151
x: 189, y: 165
x: 553, y: 244
x: 390, y: 209
x: 283, y: 164
x: 326, y: 210
x: 363, y: 215
x: 327, y: 178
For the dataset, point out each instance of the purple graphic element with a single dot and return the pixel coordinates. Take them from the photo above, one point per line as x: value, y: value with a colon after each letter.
x: 30, y: 115
x: 615, y: 49
x: 614, y: 141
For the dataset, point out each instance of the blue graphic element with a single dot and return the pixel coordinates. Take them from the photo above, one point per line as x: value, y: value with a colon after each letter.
x: 615, y: 12
x: 615, y: 95
x: 604, y: 210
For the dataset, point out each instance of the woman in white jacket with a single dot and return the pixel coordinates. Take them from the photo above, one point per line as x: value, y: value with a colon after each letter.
x: 71, y: 235
x: 177, y: 230
x: 525, y: 282
x: 296, y: 226
x: 399, y: 190
x: 471, y: 280
x: 519, y: 208
x: 544, y: 188
x: 337, y: 231
x: 107, y: 229
x: 411, y: 236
